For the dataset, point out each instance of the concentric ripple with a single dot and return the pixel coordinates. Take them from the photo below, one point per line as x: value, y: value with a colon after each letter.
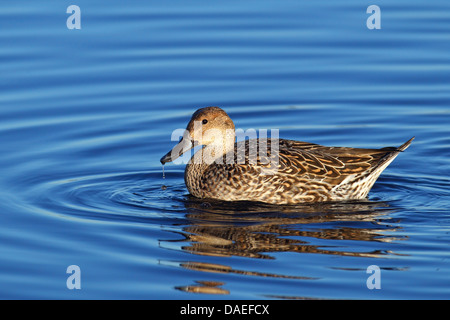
x: 113, y: 196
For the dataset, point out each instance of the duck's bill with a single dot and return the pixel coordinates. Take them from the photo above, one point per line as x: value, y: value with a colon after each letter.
x: 184, y: 145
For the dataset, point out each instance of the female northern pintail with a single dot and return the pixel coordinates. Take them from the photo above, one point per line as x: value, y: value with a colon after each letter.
x: 288, y: 172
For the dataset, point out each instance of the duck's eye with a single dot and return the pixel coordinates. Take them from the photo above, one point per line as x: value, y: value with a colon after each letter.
x: 204, y: 121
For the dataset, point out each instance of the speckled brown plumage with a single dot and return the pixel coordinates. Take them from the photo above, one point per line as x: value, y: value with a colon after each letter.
x: 304, y: 172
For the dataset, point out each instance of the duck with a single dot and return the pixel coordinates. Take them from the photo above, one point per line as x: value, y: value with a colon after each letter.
x: 289, y: 172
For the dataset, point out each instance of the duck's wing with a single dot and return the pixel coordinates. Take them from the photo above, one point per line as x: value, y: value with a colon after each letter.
x: 297, y: 158
x: 303, y: 158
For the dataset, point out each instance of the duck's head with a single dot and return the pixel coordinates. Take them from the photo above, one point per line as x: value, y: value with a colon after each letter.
x: 208, y: 126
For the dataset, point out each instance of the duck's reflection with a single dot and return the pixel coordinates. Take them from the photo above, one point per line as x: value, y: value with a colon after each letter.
x: 260, y: 231
x: 208, y: 287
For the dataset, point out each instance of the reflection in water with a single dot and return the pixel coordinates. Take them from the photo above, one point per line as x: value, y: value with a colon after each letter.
x: 218, y: 268
x: 209, y: 287
x: 257, y: 230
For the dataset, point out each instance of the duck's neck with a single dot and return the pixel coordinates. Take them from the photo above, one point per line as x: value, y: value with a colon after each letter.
x: 202, y: 159
x: 214, y: 152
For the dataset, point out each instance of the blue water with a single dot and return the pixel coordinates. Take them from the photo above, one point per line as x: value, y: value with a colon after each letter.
x: 85, y: 116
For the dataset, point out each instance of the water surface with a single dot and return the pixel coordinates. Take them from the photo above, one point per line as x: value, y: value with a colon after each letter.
x: 85, y: 116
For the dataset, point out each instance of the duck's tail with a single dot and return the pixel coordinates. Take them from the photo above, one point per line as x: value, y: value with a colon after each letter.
x: 391, y: 153
x: 404, y: 146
